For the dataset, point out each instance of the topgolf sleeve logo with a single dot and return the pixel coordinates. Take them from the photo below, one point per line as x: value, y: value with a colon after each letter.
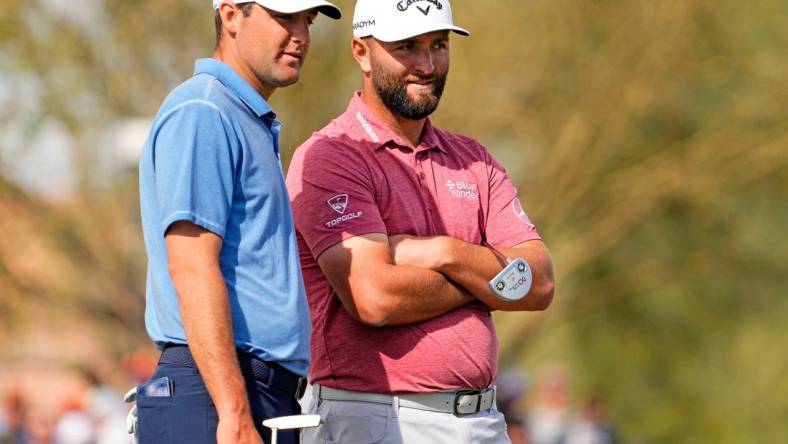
x: 338, y: 203
x: 518, y: 210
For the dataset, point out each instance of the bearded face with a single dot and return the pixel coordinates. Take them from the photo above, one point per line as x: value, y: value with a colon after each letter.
x: 407, y: 88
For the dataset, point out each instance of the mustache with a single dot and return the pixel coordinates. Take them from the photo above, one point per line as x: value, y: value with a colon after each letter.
x: 423, y: 78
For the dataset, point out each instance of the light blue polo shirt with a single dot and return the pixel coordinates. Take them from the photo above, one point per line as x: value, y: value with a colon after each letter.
x: 212, y: 158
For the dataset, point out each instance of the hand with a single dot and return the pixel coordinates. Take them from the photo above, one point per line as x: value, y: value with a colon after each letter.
x: 237, y: 430
x: 423, y: 252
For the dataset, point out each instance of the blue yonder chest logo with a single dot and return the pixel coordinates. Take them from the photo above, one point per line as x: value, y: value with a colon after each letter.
x: 405, y: 4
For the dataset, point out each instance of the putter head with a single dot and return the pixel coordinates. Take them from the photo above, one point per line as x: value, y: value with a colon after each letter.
x: 293, y: 422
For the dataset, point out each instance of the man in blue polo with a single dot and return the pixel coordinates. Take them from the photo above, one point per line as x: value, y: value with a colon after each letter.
x: 225, y: 297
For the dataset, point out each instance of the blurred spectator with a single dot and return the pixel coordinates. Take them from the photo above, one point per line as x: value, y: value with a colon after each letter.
x: 112, y: 430
x: 14, y: 412
x: 551, y: 416
x: 105, y: 404
x: 39, y: 427
x: 511, y: 385
x: 4, y: 429
x: 66, y: 404
x: 75, y: 425
x: 591, y: 427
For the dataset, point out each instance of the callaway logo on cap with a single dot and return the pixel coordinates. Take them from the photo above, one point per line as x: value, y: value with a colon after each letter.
x: 394, y: 20
x: 291, y: 6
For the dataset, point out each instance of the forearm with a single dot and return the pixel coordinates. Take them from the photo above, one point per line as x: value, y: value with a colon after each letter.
x: 376, y: 291
x: 473, y: 266
x: 205, y: 312
x: 404, y: 295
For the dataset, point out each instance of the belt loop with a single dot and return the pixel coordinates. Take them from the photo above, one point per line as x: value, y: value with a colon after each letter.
x: 395, y: 405
x: 317, y: 391
x: 271, y: 375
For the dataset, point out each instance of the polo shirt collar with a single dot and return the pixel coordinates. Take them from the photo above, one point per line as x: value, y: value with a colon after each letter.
x: 232, y: 80
x: 379, y: 135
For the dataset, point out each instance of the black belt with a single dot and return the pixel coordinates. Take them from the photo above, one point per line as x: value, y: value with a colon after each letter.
x: 270, y: 373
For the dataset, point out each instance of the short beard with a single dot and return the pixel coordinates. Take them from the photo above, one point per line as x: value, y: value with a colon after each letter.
x: 393, y: 92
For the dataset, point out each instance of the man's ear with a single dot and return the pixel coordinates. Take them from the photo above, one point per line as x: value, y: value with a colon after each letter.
x: 231, y: 15
x: 361, y: 52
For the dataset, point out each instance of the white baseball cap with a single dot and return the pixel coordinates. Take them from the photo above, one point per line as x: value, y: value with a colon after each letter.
x: 394, y: 20
x: 291, y: 6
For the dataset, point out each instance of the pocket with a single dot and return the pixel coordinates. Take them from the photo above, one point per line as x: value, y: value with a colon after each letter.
x: 187, y: 416
x: 152, y: 422
x: 355, y: 423
x: 422, y: 426
x: 489, y: 428
x: 177, y: 419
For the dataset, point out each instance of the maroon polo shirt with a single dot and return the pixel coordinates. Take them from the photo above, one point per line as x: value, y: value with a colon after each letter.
x: 355, y: 177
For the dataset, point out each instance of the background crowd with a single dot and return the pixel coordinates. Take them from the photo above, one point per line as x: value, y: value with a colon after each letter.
x: 70, y: 405
x: 78, y: 406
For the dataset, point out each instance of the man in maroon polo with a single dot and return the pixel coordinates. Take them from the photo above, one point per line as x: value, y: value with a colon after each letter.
x: 401, y: 226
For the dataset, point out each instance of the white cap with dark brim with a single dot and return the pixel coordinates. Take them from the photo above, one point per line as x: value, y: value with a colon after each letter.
x: 395, y: 20
x: 292, y: 6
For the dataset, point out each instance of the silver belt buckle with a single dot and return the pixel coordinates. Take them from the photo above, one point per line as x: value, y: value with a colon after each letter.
x: 467, y: 402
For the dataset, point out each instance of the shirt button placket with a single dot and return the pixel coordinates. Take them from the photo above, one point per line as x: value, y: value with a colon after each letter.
x: 418, y: 170
x: 426, y: 195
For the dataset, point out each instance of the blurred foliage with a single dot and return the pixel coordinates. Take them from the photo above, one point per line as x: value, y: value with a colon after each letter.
x: 649, y: 140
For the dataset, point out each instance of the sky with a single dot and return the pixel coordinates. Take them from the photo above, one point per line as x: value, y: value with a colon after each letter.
x: 41, y: 163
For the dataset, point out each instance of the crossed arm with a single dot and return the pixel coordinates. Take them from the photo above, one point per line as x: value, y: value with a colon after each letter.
x: 406, y: 279
x: 473, y: 266
x: 377, y: 291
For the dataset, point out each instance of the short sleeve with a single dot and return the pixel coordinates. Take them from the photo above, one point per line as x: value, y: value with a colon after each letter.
x: 194, y: 154
x: 507, y: 223
x: 332, y: 194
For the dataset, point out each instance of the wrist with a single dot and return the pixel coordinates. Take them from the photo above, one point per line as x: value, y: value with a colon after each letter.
x: 447, y: 253
x: 235, y: 420
x: 234, y: 408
